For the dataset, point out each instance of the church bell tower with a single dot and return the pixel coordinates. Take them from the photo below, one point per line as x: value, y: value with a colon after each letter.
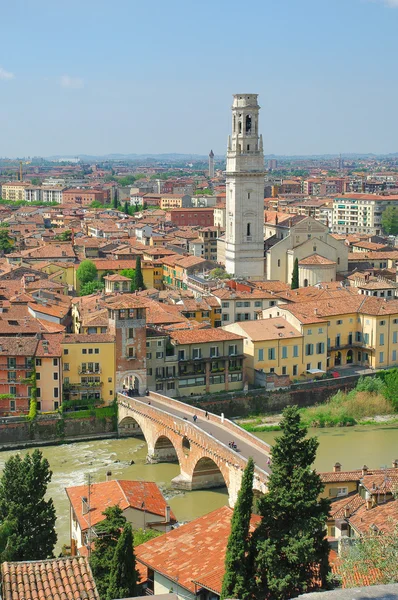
x: 244, y: 236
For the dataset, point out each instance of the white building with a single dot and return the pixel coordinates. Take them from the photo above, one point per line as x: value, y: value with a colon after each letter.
x: 360, y: 213
x: 244, y: 238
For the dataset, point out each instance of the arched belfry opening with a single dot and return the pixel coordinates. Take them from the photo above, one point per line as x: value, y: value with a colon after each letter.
x: 248, y: 123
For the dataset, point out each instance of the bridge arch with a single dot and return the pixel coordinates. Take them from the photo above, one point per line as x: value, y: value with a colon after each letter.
x: 129, y: 427
x: 207, y: 474
x: 164, y: 450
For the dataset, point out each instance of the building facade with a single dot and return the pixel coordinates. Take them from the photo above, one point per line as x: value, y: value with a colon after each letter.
x: 244, y: 238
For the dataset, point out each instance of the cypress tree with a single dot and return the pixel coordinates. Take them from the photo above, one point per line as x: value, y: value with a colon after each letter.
x: 115, y: 202
x: 126, y: 208
x: 109, y: 531
x: 289, y: 546
x: 27, y: 519
x: 236, y: 577
x: 123, y: 574
x: 295, y: 276
x: 138, y: 282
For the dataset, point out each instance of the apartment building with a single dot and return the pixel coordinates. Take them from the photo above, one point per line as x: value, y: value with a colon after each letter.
x: 83, y: 197
x: 48, y: 372
x: 14, y: 191
x: 194, y: 362
x: 360, y: 213
x: 205, y: 245
x: 239, y: 306
x: 275, y: 346
x: 359, y: 330
x: 183, y: 217
x: 88, y: 367
x: 16, y: 369
x: 168, y: 201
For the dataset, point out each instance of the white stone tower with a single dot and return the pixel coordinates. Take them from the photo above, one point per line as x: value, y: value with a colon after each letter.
x: 244, y: 236
x: 211, y: 164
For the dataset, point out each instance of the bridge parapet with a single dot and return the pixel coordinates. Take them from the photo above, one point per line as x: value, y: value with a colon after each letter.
x: 202, y: 457
x: 226, y: 423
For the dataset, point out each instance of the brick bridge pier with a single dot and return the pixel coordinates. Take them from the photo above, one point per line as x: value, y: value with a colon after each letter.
x: 201, y: 449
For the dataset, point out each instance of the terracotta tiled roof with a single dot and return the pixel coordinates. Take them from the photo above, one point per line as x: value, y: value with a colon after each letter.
x: 384, y: 517
x: 352, y: 503
x: 54, y: 579
x: 80, y: 338
x: 140, y: 495
x: 192, y: 552
x: 204, y: 335
x: 316, y: 259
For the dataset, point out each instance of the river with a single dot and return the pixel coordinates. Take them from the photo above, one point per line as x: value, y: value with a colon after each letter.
x: 375, y: 446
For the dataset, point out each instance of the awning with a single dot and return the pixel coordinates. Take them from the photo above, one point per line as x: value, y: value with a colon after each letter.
x: 315, y: 371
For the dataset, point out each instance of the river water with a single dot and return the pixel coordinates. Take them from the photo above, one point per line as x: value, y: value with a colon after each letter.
x: 71, y: 463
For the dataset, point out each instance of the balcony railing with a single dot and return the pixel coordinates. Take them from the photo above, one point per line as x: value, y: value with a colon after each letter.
x: 87, y: 371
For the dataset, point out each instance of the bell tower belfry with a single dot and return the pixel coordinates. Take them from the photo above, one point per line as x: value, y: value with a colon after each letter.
x: 244, y: 236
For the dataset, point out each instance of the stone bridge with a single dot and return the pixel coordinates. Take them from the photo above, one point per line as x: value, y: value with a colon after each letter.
x: 201, y: 447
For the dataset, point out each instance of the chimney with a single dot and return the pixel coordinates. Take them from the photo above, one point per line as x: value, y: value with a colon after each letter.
x: 395, y: 464
x: 347, y: 512
x: 364, y: 470
x: 337, y: 468
x: 368, y: 503
x: 167, y: 513
x: 108, y: 475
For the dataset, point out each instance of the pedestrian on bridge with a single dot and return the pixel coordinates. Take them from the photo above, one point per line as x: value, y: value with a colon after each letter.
x: 206, y: 414
x: 195, y: 418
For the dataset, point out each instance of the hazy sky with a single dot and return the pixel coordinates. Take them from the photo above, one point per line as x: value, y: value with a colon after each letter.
x: 127, y: 76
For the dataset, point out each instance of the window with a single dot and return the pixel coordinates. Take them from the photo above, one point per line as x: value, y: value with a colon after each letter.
x: 394, y: 355
x: 358, y: 336
x: 84, y: 351
x: 257, y: 304
x: 381, y: 357
x: 309, y: 331
x: 55, y: 376
x: 196, y: 353
x: 382, y: 322
x: 11, y: 363
x: 260, y: 354
x: 248, y: 230
x: 37, y: 376
x: 342, y: 491
x: 382, y: 339
x: 96, y: 350
x: 13, y: 390
x: 320, y: 366
x: 279, y: 262
x: 131, y: 332
x: 56, y: 405
x: 308, y: 366
x: 320, y: 348
x: 38, y: 392
x: 66, y: 351
x: 295, y: 370
x: 159, y: 343
x: 271, y: 353
x: 159, y: 354
x: 56, y: 392
x: 225, y: 304
x: 159, y: 387
x: 284, y: 370
x: 339, y: 322
x: 149, y: 355
x: 232, y: 350
x: 90, y: 350
x: 366, y: 338
x: 38, y: 362
x: 284, y: 353
x: 109, y: 379
x: 233, y: 377
x: 225, y: 318
x: 148, y: 344
x: 295, y: 351
x: 394, y: 337
x: 320, y: 330
x: 131, y: 353
x: 214, y: 351
x: 309, y: 349
x: 171, y: 385
x: 181, y: 355
x: 55, y: 362
x: 12, y: 405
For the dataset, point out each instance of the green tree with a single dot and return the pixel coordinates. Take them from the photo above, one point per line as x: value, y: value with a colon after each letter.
x: 141, y: 536
x: 295, y: 276
x: 389, y: 220
x: 27, y: 519
x: 86, y: 272
x: 136, y: 208
x: 115, y: 202
x: 138, y: 282
x: 126, y: 181
x: 108, y: 532
x: 5, y: 242
x: 65, y: 236
x: 91, y: 287
x: 123, y: 575
x: 126, y: 208
x: 289, y: 545
x: 237, y: 573
x: 219, y: 273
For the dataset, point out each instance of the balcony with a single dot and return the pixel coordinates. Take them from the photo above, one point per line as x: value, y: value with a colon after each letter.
x: 86, y: 371
x: 88, y: 385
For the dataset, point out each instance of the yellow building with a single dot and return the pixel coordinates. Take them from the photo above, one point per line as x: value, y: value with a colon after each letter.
x: 61, y: 272
x: 358, y: 330
x: 89, y: 367
x: 14, y: 191
x: 275, y: 346
x: 106, y: 266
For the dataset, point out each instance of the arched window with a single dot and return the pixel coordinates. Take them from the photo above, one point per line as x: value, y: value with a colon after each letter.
x: 248, y: 230
x: 234, y: 124
x: 248, y: 123
x: 240, y: 126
